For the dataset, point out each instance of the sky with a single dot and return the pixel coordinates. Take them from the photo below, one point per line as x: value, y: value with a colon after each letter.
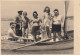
x: 9, y: 8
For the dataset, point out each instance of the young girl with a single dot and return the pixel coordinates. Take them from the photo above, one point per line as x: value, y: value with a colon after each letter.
x: 35, y: 25
x: 47, y: 21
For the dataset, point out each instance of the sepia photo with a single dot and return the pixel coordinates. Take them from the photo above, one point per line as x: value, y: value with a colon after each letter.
x: 37, y: 27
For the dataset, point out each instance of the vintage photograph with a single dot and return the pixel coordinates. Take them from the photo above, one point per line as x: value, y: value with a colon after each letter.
x: 37, y: 27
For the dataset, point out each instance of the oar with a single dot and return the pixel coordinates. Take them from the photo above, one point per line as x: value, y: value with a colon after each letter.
x: 26, y: 45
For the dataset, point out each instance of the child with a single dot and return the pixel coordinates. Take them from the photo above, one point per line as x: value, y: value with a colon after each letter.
x: 57, y: 25
x: 25, y: 24
x: 47, y: 21
x: 36, y: 25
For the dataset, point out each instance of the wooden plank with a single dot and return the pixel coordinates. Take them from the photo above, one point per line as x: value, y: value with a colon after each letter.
x: 26, y: 45
x: 51, y: 46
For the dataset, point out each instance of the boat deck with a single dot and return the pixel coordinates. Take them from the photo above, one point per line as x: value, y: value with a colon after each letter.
x: 66, y: 46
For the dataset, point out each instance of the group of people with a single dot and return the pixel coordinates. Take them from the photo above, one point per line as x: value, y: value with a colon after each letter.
x: 48, y: 23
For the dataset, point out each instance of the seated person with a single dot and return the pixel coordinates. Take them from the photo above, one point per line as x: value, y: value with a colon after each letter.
x: 57, y: 25
x: 11, y: 33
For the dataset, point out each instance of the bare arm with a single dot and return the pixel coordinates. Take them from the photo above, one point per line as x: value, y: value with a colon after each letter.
x: 12, y: 34
x: 62, y: 22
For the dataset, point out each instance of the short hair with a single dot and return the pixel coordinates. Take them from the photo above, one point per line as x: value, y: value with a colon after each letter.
x: 12, y: 23
x: 20, y: 11
x: 48, y: 9
x: 56, y: 10
x: 35, y: 12
x: 25, y: 12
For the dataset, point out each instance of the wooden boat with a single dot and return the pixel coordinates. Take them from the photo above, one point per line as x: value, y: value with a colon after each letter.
x: 66, y: 44
x: 37, y: 46
x: 43, y: 46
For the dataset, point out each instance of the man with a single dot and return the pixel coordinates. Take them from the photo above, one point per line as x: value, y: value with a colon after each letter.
x: 18, y: 21
x: 11, y: 32
x: 57, y: 25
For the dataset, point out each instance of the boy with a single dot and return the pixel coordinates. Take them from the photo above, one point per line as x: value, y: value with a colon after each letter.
x: 26, y: 21
x: 57, y: 25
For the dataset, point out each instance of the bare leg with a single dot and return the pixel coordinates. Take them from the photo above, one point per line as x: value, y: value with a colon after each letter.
x: 34, y: 36
x: 48, y: 32
x: 54, y: 36
x: 59, y: 35
x: 27, y: 32
x: 44, y: 33
x: 23, y: 32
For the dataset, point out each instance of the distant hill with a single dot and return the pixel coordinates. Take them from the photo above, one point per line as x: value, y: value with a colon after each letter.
x: 7, y: 19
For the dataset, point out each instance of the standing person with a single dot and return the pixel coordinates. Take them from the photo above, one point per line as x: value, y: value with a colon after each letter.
x: 18, y: 21
x: 26, y: 21
x: 35, y: 25
x: 47, y: 21
x: 57, y: 24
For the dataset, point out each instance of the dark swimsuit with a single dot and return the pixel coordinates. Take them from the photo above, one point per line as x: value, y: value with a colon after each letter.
x: 26, y: 24
x: 56, y: 28
x: 35, y: 29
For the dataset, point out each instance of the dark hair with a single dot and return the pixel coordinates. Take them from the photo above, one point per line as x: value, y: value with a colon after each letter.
x: 48, y: 9
x: 20, y: 11
x: 17, y: 26
x: 11, y: 23
x: 35, y: 12
x: 56, y: 10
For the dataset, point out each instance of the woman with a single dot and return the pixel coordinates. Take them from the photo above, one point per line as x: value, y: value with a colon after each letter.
x: 35, y: 25
x: 26, y: 21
